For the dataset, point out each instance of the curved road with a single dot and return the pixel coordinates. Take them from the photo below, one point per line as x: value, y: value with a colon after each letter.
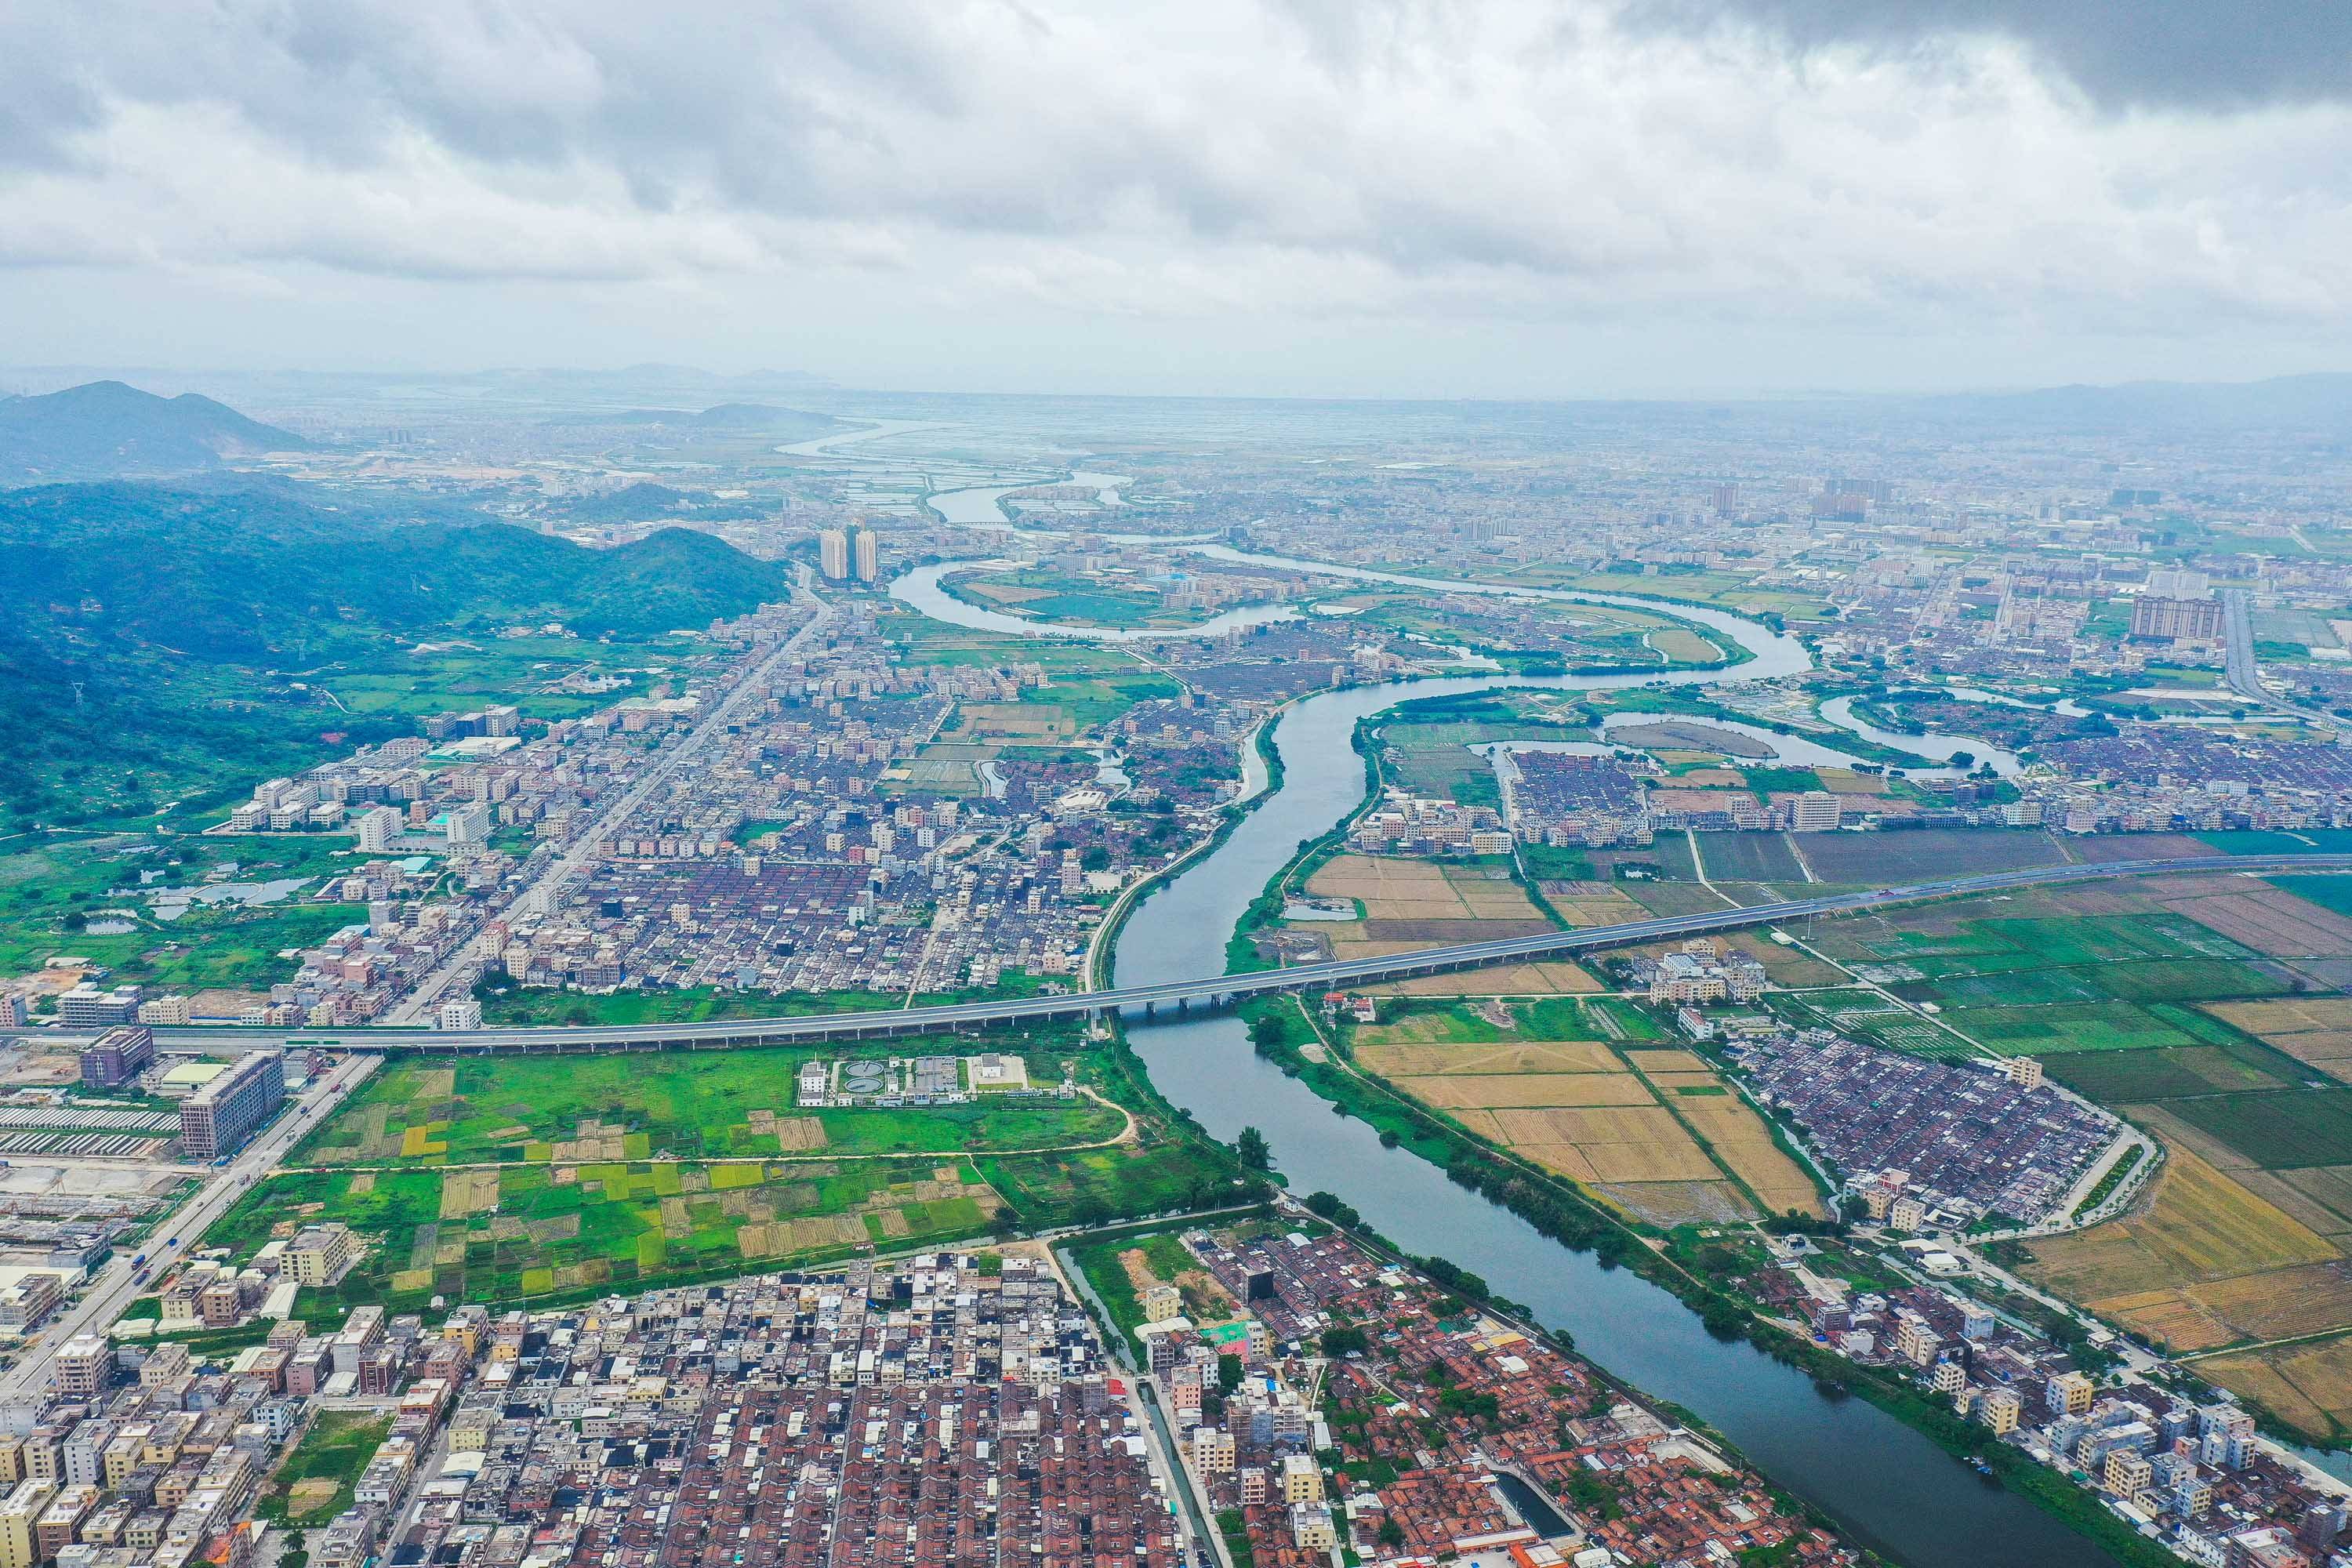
x: 1332, y: 974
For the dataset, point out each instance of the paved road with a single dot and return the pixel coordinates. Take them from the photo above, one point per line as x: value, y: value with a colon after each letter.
x: 114, y: 1285
x: 1336, y: 975
x: 2242, y: 670
x: 558, y: 872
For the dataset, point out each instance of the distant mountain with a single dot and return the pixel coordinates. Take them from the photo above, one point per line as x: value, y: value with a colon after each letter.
x: 148, y: 619
x: 106, y: 429
x: 2318, y: 401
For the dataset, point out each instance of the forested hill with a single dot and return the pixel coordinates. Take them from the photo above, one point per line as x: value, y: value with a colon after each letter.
x: 151, y: 626
x: 105, y: 429
x: 234, y: 573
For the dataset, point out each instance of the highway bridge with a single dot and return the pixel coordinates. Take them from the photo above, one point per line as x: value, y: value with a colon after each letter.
x: 1207, y: 990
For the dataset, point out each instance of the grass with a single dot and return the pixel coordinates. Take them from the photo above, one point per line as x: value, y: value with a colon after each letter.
x: 49, y: 893
x: 337, y: 1448
x: 1093, y: 1186
x: 575, y: 1231
x: 684, y: 1104
x: 2279, y: 1131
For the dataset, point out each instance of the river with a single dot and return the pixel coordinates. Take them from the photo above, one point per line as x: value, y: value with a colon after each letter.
x: 1888, y: 1487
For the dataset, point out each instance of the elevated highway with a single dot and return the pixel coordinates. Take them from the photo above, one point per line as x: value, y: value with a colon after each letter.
x: 1209, y: 990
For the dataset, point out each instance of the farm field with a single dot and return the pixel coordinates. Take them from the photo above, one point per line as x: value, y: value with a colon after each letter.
x: 1749, y: 858
x: 2205, y: 1263
x: 2315, y: 1030
x: 524, y: 1231
x: 1410, y: 903
x: 1651, y: 1129
x: 674, y: 1105
x: 1922, y: 855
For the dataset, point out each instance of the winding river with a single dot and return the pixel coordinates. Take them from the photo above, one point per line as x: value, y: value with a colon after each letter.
x: 1888, y: 1487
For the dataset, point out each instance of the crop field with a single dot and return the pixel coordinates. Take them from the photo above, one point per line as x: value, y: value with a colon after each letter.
x: 1411, y: 903
x: 680, y: 1105
x: 2280, y: 1131
x: 1749, y: 858
x: 2202, y: 1229
x: 1923, y: 855
x: 2315, y: 1030
x: 529, y: 1230
x: 2307, y: 1387
x: 1866, y: 1015
x: 2128, y: 1078
x: 1652, y: 1128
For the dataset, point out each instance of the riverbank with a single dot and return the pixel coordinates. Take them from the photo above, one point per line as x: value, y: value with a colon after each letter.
x: 1567, y: 1216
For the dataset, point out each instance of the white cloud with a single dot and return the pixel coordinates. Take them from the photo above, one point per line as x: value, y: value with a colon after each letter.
x: 1506, y: 159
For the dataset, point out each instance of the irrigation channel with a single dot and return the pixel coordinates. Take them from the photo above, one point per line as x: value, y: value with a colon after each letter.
x: 1887, y: 1486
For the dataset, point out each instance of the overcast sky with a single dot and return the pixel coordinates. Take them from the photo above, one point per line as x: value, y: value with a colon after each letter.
x: 1354, y: 197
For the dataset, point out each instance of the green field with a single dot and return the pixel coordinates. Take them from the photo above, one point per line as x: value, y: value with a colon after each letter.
x: 536, y: 1230
x: 2278, y: 1131
x: 336, y: 1448
x: 50, y: 896
x: 1921, y: 855
x: 2333, y: 894
x: 1749, y: 858
x: 677, y: 1104
x: 2172, y: 1072
x: 1093, y: 1186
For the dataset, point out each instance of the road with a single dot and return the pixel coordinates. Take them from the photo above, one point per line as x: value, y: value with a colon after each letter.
x: 114, y: 1285
x: 552, y: 877
x: 2242, y: 671
x: 1336, y: 975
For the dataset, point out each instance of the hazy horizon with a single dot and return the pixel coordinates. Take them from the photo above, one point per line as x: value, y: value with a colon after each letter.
x: 1498, y: 199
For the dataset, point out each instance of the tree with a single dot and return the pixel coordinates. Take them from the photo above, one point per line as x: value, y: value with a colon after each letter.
x: 1267, y: 1033
x: 1344, y: 1340
x: 1391, y: 1533
x: 1229, y: 1372
x: 1251, y: 1147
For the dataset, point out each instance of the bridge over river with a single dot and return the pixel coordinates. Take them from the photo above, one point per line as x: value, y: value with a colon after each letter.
x: 1212, y: 990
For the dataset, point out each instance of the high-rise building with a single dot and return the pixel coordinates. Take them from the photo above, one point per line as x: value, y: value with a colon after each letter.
x: 833, y: 554
x: 869, y: 555
x: 2195, y: 620
x: 218, y: 1117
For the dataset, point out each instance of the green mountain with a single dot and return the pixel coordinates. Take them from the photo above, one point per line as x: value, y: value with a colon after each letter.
x: 156, y: 631
x: 105, y: 429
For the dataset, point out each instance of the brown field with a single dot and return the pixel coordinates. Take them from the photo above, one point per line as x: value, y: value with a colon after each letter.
x: 1412, y: 1059
x: 1679, y: 1202
x: 1549, y: 979
x: 1664, y: 1060
x: 2283, y: 1303
x: 1436, y: 932
x: 2202, y: 1226
x: 2254, y: 1377
x: 2268, y: 919
x: 2315, y: 1030
x: 1378, y: 877
x: 2163, y: 1316
x: 2330, y: 1187
x: 1496, y: 1091
x: 1741, y: 1140
x: 2207, y: 1261
x: 1591, y: 903
x: 1640, y: 1162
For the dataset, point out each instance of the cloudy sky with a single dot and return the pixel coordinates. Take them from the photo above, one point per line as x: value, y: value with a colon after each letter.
x: 1366, y: 197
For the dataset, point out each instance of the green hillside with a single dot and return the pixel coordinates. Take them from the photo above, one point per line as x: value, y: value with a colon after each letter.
x: 164, y: 639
